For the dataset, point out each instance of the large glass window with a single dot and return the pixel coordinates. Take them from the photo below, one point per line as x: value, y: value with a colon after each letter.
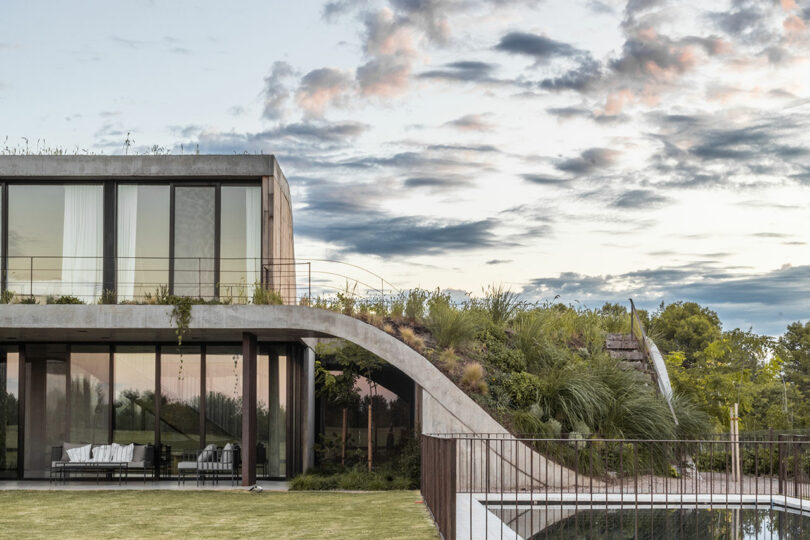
x: 143, y: 239
x: 223, y: 397
x: 45, y: 405
x: 9, y: 417
x: 271, y: 416
x: 240, y: 239
x: 134, y: 398
x: 55, y: 240
x: 194, y: 240
x: 180, y: 401
x: 89, y: 394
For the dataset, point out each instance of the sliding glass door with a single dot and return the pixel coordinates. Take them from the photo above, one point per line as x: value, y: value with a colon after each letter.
x: 271, y: 411
x: 240, y: 239
x: 89, y: 394
x: 9, y: 406
x: 223, y: 395
x: 134, y: 395
x: 143, y: 239
x: 195, y: 241
x: 180, y: 372
x: 55, y: 235
x: 45, y: 405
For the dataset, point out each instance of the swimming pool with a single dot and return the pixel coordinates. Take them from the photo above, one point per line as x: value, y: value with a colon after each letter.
x: 620, y: 522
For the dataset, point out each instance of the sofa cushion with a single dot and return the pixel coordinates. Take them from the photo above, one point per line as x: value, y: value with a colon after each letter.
x: 67, y: 446
x: 207, y: 454
x: 102, y: 453
x: 79, y: 453
x: 139, y: 453
x: 121, y: 453
x: 227, y: 454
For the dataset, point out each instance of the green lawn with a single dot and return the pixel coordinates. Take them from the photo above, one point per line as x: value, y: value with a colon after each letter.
x: 222, y: 514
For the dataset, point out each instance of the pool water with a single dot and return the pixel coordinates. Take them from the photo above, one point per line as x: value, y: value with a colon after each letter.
x: 736, y: 522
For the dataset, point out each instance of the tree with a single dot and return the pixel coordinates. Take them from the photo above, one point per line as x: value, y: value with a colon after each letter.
x: 738, y: 367
x: 795, y: 346
x: 339, y: 389
x: 354, y: 361
x: 686, y: 327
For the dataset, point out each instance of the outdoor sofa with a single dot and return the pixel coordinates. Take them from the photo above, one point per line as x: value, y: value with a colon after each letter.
x: 212, y: 462
x: 96, y: 460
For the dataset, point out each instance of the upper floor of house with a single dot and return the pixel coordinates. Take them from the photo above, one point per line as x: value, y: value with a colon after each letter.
x: 203, y: 226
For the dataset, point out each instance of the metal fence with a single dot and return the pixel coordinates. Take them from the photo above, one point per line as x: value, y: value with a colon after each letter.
x: 519, y: 477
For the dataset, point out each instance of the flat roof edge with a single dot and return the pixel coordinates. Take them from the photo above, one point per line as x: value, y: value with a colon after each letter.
x: 100, y: 167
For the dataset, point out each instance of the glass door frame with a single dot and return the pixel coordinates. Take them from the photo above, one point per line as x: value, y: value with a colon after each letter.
x: 293, y: 385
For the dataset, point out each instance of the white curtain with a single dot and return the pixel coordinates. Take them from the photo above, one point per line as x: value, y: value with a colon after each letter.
x: 127, y: 227
x: 253, y: 235
x: 82, y: 242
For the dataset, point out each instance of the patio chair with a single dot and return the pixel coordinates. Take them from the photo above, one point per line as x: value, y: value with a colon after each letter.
x: 225, y: 463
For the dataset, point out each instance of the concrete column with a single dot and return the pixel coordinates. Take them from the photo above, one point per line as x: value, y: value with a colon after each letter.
x: 248, y: 409
x: 308, y: 399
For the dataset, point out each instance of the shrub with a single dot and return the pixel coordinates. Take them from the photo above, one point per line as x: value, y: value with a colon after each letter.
x: 375, y: 319
x: 355, y: 479
x: 397, y: 309
x: 571, y: 395
x: 412, y: 339
x: 265, y: 296
x: 500, y: 303
x: 63, y: 300
x: 522, y: 388
x: 108, y: 297
x: 28, y: 300
x: 6, y: 297
x: 448, y: 359
x: 388, y: 328
x: 531, y: 423
x: 473, y: 375
x: 451, y: 327
x: 415, y: 304
x: 504, y: 358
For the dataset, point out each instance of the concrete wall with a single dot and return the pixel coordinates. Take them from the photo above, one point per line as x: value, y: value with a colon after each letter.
x: 278, y: 249
x: 445, y: 407
x: 106, y: 167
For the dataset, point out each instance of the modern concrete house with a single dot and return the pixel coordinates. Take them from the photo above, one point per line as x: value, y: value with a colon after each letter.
x: 119, y: 232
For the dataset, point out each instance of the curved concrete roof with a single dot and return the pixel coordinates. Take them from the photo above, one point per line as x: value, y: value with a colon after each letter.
x: 19, y: 322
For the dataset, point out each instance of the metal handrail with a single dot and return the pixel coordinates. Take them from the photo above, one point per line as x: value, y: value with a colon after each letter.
x: 634, y: 318
x: 38, y: 276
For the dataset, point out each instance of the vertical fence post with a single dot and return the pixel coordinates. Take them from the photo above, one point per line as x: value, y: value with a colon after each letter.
x: 780, y: 464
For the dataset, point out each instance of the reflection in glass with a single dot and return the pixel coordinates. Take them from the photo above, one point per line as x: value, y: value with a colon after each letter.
x: 9, y: 417
x: 55, y: 240
x: 194, y: 234
x: 271, y: 416
x: 223, y: 399
x: 240, y: 239
x: 143, y: 239
x: 89, y: 394
x: 45, y: 405
x: 134, y: 398
x: 180, y: 401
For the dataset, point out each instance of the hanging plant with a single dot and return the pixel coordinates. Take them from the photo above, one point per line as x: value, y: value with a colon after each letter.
x: 181, y: 315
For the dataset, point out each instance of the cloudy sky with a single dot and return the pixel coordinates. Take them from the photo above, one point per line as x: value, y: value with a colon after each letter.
x: 590, y: 149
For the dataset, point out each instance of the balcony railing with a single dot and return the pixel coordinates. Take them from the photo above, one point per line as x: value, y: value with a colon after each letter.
x: 141, y: 279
